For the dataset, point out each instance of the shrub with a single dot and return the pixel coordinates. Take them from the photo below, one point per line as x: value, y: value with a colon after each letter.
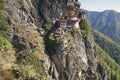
x: 47, y: 27
x: 27, y: 58
x: 85, y: 27
x: 2, y: 4
x: 47, y: 78
x: 5, y: 44
x: 28, y: 71
x: 3, y: 24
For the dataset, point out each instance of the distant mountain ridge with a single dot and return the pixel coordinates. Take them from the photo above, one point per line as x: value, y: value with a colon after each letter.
x: 107, y: 22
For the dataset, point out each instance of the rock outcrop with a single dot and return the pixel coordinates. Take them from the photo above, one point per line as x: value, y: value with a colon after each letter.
x: 68, y: 56
x: 65, y: 57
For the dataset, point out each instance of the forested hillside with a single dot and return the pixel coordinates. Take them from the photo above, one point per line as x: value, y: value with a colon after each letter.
x: 107, y: 22
x: 112, y: 48
x: 110, y: 66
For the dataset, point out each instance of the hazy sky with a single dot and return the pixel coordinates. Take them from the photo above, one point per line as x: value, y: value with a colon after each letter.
x: 100, y: 5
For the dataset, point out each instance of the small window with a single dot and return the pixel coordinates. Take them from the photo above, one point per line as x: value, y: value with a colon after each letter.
x: 63, y: 25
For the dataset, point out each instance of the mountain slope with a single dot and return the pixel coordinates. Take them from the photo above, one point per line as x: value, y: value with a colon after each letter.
x: 30, y: 49
x: 108, y: 45
x: 107, y: 22
x: 112, y: 69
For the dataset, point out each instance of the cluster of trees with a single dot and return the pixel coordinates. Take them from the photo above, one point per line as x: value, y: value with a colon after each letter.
x: 29, y: 64
x: 112, y: 48
x: 111, y: 68
x: 85, y: 27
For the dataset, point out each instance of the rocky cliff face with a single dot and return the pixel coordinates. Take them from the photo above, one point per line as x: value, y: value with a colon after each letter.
x: 68, y: 57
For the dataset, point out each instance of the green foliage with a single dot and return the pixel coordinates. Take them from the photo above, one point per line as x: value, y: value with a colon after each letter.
x: 47, y: 27
x: 110, y: 66
x: 30, y: 64
x: 46, y: 78
x: 28, y: 71
x: 4, y: 34
x: 85, y: 27
x: 52, y: 38
x: 2, y: 4
x: 108, y: 45
x: 3, y: 24
x: 5, y: 44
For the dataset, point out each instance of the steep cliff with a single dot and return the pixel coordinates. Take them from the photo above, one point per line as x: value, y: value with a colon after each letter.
x: 37, y: 53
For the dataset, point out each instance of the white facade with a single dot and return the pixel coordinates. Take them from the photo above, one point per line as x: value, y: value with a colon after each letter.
x: 73, y: 18
x: 77, y: 25
x: 63, y: 25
